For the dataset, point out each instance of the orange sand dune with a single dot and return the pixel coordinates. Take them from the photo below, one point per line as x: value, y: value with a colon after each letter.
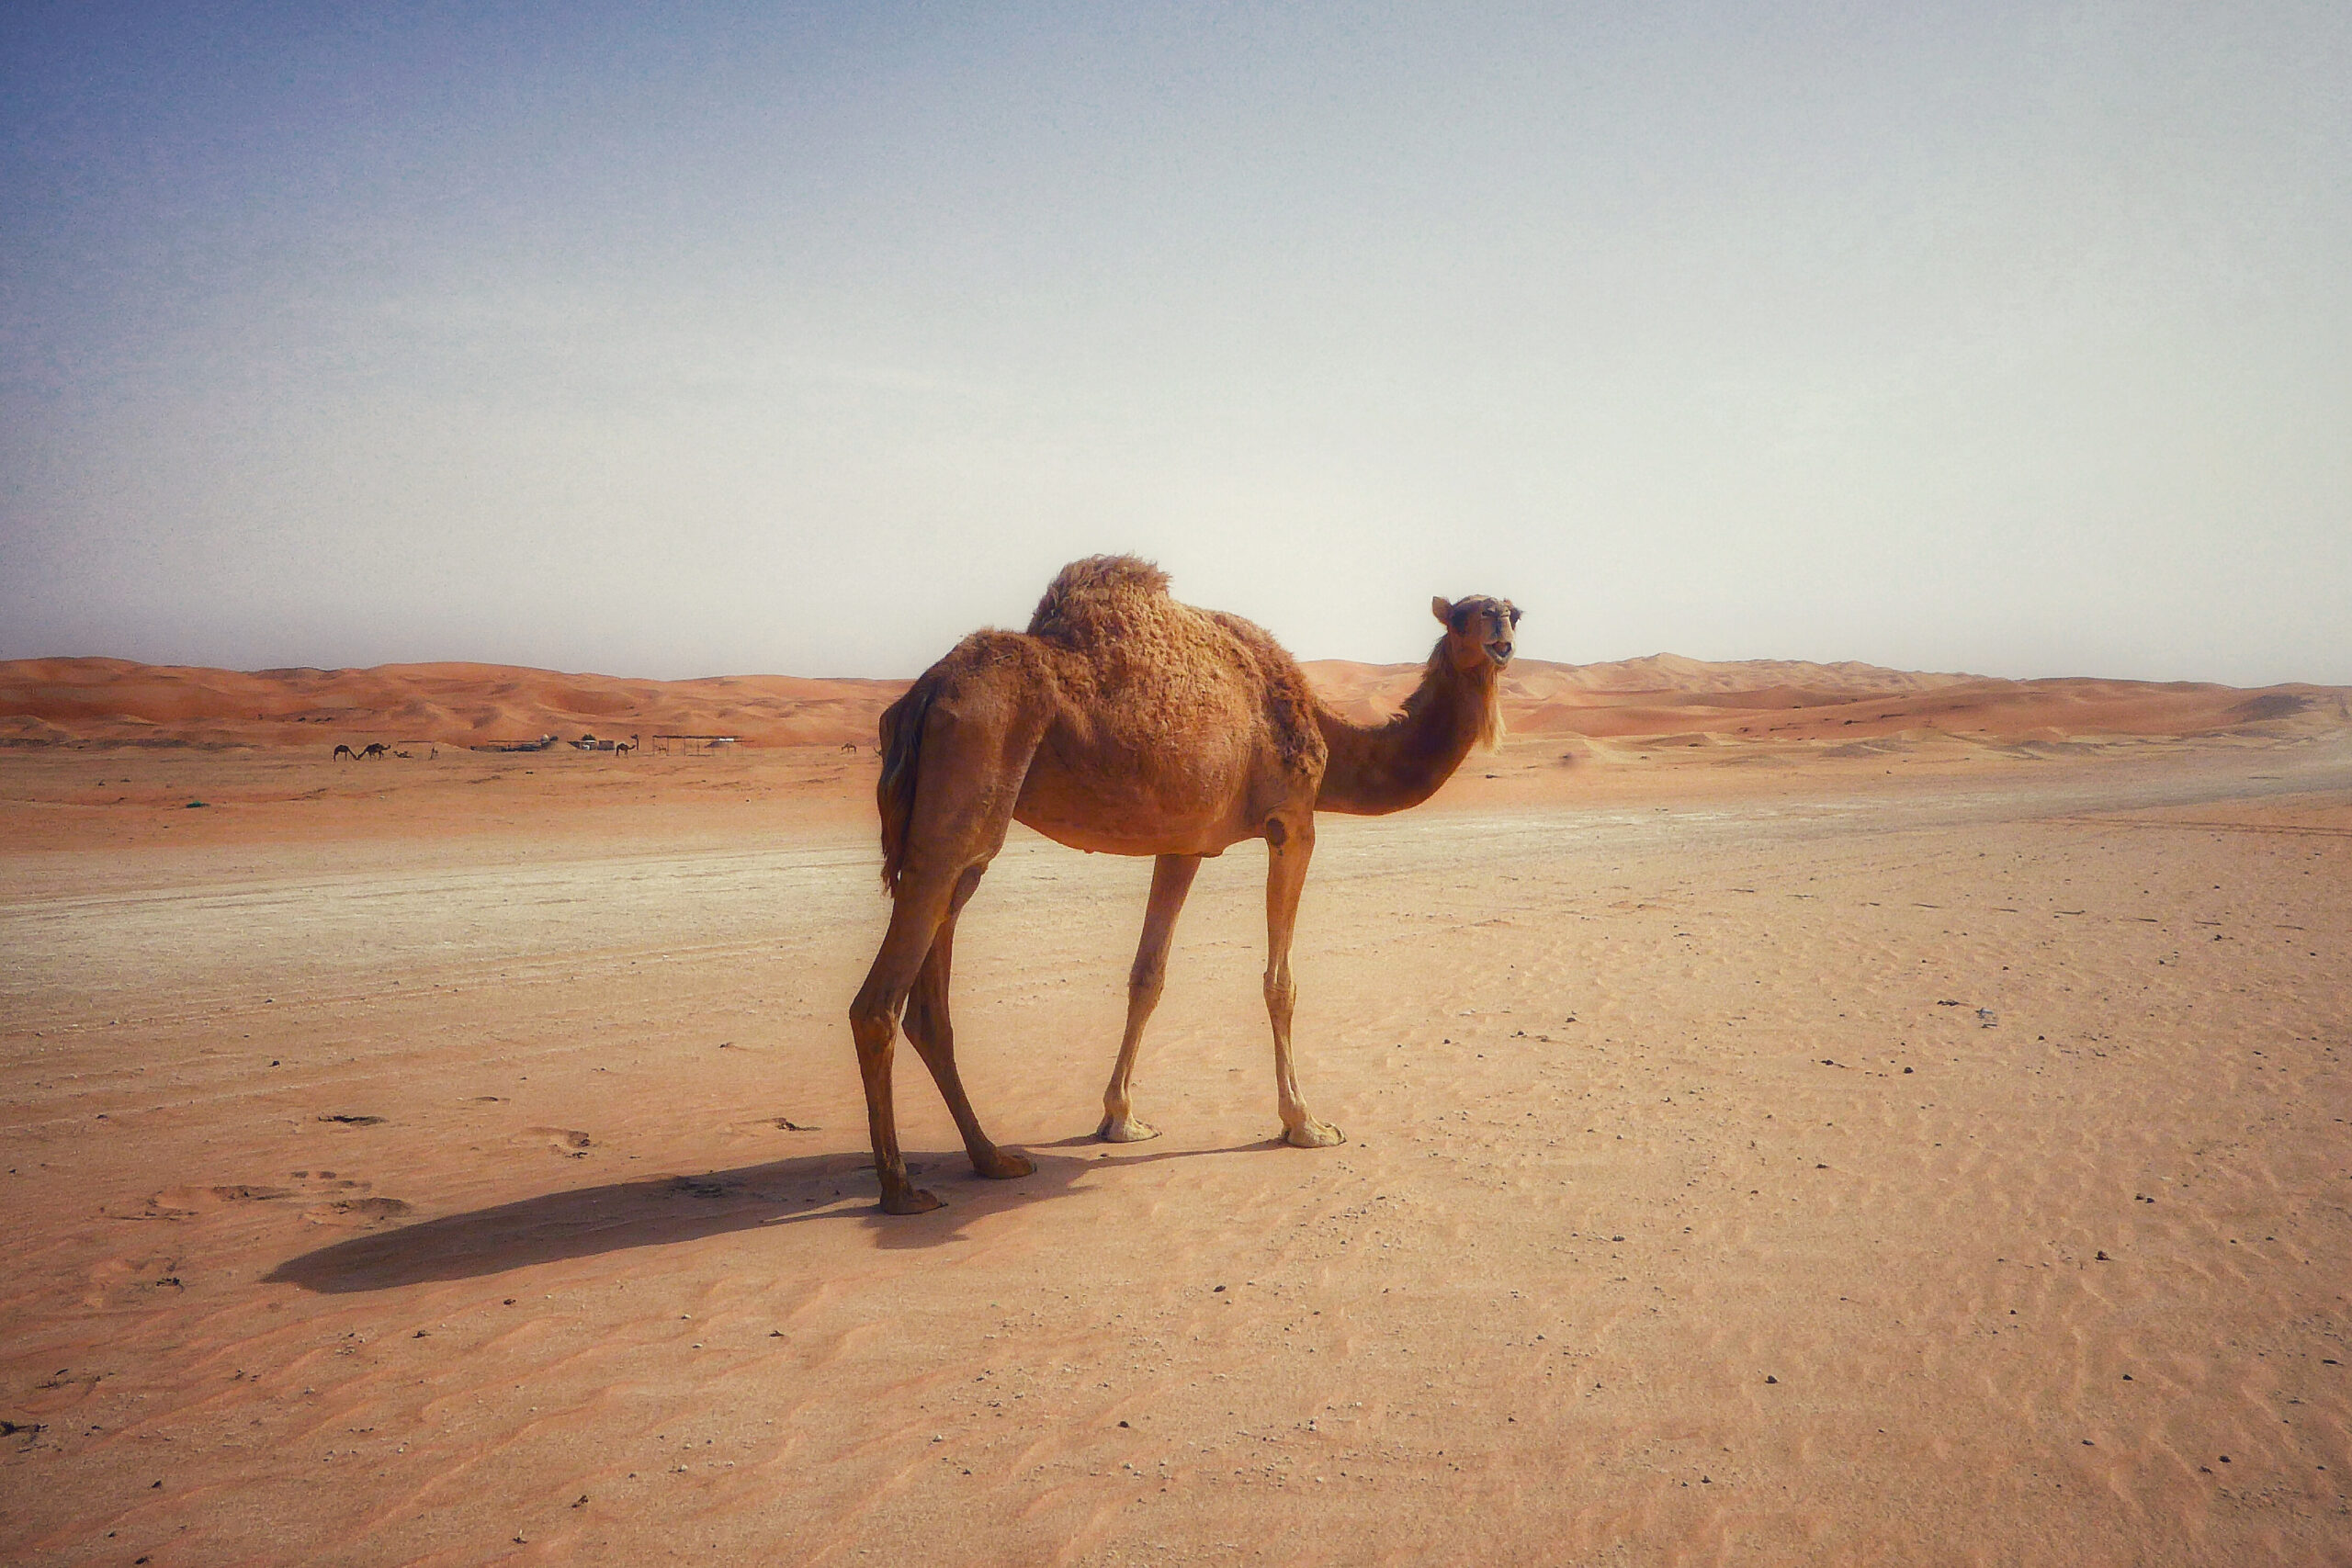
x: 454, y: 703
x: 1746, y: 683
x: 1662, y: 697
x: 1676, y: 698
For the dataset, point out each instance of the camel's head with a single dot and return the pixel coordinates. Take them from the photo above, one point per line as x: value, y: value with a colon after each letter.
x: 1479, y: 631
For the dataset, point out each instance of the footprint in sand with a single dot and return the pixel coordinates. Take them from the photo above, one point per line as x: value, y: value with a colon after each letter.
x: 567, y: 1140
x: 760, y: 1126
x: 187, y: 1202
x: 131, y: 1281
x: 349, y: 1212
x: 340, y: 1200
x: 335, y: 1201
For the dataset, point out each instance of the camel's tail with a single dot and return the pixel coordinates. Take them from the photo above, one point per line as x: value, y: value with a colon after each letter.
x: 902, y: 757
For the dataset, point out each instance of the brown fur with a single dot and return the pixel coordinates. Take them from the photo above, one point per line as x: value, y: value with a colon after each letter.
x: 1125, y: 722
x: 1091, y: 601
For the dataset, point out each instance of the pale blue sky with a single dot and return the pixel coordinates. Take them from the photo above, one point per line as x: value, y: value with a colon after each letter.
x: 775, y: 339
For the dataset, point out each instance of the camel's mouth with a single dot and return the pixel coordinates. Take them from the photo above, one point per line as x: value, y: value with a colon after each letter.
x: 1499, y: 652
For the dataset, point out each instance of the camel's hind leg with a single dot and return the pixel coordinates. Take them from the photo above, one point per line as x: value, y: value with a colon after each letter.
x: 934, y: 1038
x: 1289, y: 851
x: 970, y: 775
x: 1172, y: 878
x: 915, y: 916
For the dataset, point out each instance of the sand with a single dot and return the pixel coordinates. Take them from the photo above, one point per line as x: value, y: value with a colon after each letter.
x: 1911, y: 1146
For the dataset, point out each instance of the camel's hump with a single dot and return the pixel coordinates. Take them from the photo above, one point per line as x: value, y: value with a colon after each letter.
x: 1085, y: 593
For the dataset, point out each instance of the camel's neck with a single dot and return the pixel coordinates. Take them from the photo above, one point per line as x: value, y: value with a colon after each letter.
x: 1386, y: 767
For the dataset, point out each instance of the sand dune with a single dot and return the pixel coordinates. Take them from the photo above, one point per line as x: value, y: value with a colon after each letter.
x: 455, y: 704
x: 1770, y: 699
x: 1663, y: 695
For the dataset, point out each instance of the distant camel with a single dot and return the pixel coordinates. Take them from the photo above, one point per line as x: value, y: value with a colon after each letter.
x: 848, y: 746
x: 343, y: 751
x: 377, y: 749
x: 1125, y: 722
x: 623, y: 748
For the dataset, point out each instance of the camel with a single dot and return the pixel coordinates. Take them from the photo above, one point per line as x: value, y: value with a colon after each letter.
x: 343, y: 751
x: 377, y: 749
x: 1126, y: 723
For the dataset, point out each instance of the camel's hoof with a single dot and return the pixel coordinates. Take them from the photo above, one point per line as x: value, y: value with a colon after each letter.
x: 910, y: 1201
x: 1003, y: 1166
x: 1125, y: 1130
x: 1314, y: 1135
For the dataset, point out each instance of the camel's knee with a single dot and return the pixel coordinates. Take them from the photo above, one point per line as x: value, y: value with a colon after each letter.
x: 874, y: 1021
x: 1281, y: 990
x: 1146, y: 980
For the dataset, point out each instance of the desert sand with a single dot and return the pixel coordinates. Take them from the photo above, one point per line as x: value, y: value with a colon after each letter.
x: 1789, y: 1122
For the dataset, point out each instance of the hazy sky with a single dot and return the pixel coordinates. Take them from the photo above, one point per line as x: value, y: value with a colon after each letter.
x: 761, y: 338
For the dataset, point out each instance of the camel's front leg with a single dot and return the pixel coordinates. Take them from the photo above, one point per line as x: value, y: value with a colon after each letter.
x: 1172, y: 878
x: 1289, y: 847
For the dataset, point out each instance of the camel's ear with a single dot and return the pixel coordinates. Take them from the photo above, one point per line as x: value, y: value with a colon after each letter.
x: 1443, y: 608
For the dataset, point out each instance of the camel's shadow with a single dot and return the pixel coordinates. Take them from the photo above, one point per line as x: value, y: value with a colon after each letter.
x: 660, y: 1211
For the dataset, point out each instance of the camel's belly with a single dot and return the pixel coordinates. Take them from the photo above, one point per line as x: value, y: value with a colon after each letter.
x: 1111, y: 793
x: 1160, y: 838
